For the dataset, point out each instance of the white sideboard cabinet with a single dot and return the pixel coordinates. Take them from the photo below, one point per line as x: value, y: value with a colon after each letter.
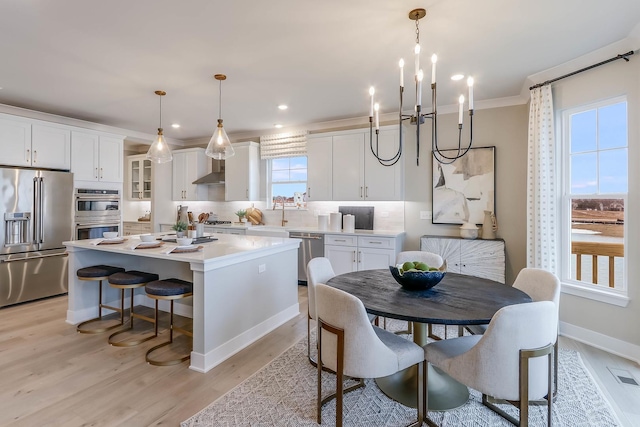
x: 480, y: 258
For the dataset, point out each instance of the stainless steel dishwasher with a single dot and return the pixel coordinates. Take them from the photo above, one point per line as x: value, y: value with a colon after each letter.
x: 312, y: 246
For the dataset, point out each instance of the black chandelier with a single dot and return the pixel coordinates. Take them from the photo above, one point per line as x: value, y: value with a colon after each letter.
x: 418, y: 117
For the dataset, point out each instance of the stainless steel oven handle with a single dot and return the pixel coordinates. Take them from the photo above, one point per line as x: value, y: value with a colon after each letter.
x: 97, y: 224
x: 33, y: 257
x: 98, y: 197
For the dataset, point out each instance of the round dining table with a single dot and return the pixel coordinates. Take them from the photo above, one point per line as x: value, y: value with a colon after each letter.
x: 457, y: 300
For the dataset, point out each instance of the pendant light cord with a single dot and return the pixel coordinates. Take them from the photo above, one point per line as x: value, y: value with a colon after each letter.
x: 160, y: 112
x: 220, y: 100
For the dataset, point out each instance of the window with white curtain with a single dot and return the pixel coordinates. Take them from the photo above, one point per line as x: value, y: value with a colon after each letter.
x: 594, y: 196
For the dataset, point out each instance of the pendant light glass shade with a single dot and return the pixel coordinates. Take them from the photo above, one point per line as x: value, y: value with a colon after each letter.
x: 219, y: 146
x: 159, y: 152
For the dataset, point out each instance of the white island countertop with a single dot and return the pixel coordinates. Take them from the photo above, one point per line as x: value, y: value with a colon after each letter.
x: 224, y: 249
x: 243, y: 287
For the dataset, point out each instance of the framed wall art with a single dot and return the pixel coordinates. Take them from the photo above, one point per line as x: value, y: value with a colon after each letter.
x: 464, y: 189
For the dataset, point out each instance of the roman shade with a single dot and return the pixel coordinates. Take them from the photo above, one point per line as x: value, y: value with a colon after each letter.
x: 291, y: 144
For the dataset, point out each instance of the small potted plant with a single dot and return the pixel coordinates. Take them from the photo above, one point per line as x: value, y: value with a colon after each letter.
x: 179, y: 228
x: 241, y: 214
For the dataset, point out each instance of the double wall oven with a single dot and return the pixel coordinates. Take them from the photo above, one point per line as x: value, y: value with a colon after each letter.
x: 96, y: 211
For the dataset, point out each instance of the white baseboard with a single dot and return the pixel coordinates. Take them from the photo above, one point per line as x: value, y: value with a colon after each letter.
x: 206, y: 362
x: 603, y: 342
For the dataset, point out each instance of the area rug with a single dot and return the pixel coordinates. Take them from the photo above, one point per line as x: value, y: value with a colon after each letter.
x: 283, y: 393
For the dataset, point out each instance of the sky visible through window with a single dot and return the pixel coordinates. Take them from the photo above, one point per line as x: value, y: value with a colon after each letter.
x: 288, y: 177
x: 599, y: 150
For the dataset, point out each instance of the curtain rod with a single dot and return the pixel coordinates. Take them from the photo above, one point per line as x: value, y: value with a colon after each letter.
x: 615, y: 58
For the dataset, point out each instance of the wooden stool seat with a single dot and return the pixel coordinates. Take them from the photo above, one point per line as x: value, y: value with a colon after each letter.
x: 99, y: 273
x: 168, y: 289
x: 131, y: 280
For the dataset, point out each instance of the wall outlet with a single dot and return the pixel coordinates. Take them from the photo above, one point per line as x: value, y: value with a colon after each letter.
x: 262, y: 268
x: 426, y: 215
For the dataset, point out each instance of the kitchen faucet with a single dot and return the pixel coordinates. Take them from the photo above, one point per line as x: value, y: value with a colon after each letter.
x: 284, y: 221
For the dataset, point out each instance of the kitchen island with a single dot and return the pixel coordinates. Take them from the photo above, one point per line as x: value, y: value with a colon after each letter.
x: 243, y: 287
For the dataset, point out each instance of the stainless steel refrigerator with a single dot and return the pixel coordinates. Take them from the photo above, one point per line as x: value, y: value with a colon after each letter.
x: 37, y: 216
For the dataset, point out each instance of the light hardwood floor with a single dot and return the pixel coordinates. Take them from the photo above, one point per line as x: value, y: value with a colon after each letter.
x: 52, y: 376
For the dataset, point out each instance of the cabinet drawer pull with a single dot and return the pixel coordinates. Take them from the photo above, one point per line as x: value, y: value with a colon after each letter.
x: 35, y: 156
x: 361, y: 192
x: 309, y: 192
x: 28, y: 159
x: 340, y: 240
x: 354, y: 256
x: 374, y: 242
x: 366, y: 191
x: 96, y: 173
x: 101, y: 174
x: 359, y: 257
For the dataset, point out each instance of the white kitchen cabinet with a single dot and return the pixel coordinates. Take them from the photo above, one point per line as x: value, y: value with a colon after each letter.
x: 130, y: 228
x: 189, y: 165
x: 30, y: 143
x: 225, y: 230
x: 319, y: 167
x: 50, y: 147
x: 357, y: 174
x: 96, y: 157
x: 242, y: 173
x: 138, y: 185
x: 480, y: 258
x: 349, y: 253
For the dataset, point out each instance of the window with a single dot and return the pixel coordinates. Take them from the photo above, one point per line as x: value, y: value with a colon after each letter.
x: 288, y: 182
x: 595, y: 162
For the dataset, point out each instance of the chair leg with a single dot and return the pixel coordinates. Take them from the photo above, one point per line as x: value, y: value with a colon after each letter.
x: 555, y: 369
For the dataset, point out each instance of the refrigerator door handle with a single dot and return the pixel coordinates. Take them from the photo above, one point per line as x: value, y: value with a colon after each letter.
x: 6, y: 261
x: 36, y: 211
x: 40, y: 213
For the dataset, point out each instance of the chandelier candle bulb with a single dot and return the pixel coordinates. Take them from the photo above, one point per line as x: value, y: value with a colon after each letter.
x: 461, y: 100
x: 376, y: 107
x: 470, y: 84
x: 416, y: 50
x: 401, y: 63
x: 419, y: 90
x: 434, y: 59
x: 372, y: 91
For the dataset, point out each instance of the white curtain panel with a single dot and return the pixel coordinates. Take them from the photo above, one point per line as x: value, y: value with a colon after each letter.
x: 542, y: 183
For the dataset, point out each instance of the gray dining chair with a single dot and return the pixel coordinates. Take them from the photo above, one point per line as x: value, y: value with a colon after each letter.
x: 432, y: 260
x: 319, y: 270
x: 350, y: 345
x: 540, y: 285
x: 506, y: 362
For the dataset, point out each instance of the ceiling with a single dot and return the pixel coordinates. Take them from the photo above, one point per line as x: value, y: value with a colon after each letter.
x: 101, y: 61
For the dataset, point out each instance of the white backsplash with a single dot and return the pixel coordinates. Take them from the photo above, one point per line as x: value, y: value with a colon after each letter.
x: 387, y: 215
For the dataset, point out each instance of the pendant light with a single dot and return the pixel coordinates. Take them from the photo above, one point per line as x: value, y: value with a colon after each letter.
x: 159, y: 152
x: 219, y: 146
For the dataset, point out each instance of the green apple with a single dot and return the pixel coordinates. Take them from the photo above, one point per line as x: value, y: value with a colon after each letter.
x: 408, y: 266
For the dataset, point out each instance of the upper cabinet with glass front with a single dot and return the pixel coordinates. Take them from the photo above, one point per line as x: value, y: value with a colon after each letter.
x: 139, y: 178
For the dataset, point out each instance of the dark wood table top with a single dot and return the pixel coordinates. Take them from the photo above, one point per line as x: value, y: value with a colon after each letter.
x: 457, y: 300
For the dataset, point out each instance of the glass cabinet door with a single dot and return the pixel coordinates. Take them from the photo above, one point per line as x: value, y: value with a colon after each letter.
x: 139, y: 185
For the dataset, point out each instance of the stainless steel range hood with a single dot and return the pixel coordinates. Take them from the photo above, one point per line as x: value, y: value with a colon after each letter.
x: 215, y: 177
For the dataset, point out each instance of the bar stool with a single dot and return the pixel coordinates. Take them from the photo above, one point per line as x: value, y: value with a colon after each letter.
x: 168, y: 289
x: 99, y: 273
x: 131, y: 280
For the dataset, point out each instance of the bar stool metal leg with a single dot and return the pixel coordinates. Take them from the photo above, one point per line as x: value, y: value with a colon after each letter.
x: 100, y: 273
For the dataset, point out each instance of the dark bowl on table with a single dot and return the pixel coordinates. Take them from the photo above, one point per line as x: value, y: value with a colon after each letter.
x: 417, y: 280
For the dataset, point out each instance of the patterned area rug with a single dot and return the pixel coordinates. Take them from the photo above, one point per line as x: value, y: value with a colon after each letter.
x: 284, y: 394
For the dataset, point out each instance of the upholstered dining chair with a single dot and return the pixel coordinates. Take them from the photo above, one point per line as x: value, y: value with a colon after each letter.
x: 319, y: 270
x: 351, y: 346
x: 506, y: 362
x: 540, y: 285
x: 432, y: 260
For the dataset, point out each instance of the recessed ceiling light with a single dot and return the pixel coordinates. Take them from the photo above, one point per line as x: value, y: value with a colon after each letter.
x: 457, y: 77
x: 282, y: 107
x: 175, y: 125
x: 278, y: 126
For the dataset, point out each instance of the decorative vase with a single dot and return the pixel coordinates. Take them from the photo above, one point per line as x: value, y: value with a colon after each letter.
x: 179, y: 233
x: 468, y: 231
x: 489, y: 226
